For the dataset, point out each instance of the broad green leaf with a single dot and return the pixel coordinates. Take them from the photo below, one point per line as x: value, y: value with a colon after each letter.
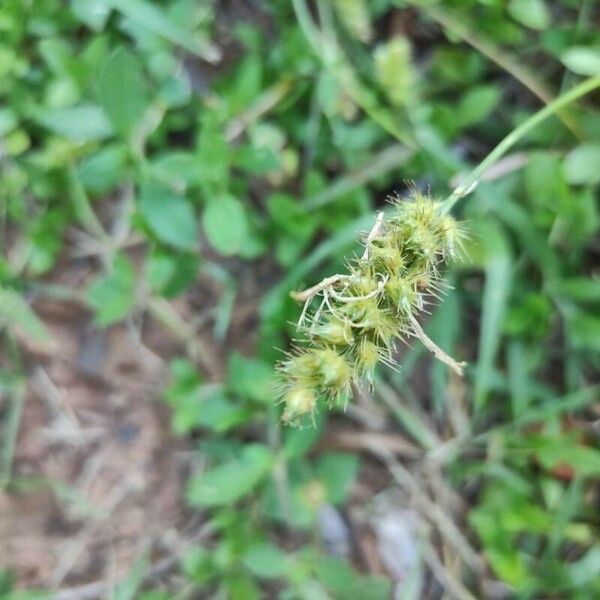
x: 170, y: 273
x: 344, y: 584
x: 81, y: 123
x: 122, y: 91
x: 184, y: 395
x: 266, y: 561
x: 337, y: 472
x: 582, y: 164
x: 8, y: 120
x: 582, y: 60
x: 103, y: 170
x: 177, y: 168
x: 198, y: 565
x: 225, y: 224
x: 94, y: 13
x: 476, y: 105
x: 241, y: 586
x: 170, y: 216
x: 16, y: 312
x: 251, y: 378
x: 154, y: 19
x: 531, y: 13
x: 554, y: 451
x: 299, y: 440
x: 215, y: 155
x: 231, y: 480
x: 113, y: 296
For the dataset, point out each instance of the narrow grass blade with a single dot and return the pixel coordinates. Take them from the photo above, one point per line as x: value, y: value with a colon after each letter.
x: 495, y: 297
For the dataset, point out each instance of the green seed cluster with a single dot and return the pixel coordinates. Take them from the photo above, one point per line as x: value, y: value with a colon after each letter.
x: 354, y: 321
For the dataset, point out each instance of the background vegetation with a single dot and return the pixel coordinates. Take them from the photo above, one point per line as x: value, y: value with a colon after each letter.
x: 182, y: 149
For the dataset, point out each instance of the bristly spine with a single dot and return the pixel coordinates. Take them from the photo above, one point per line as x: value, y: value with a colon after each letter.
x: 352, y: 322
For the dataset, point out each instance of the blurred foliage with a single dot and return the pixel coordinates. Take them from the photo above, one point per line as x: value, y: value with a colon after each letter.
x: 223, y: 142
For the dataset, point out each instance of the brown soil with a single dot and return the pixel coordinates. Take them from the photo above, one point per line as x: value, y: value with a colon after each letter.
x: 101, y: 476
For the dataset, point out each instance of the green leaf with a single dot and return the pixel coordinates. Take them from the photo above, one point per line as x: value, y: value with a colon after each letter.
x: 179, y: 169
x: 582, y: 60
x: 345, y: 584
x: 581, y: 289
x: 231, y: 480
x: 495, y: 297
x: 170, y: 216
x: 582, y: 164
x: 266, y: 561
x: 198, y: 565
x: 113, y: 296
x: 531, y: 13
x: 240, y: 586
x: 154, y: 19
x: 299, y: 440
x: 8, y: 120
x: 554, y: 451
x: 94, y: 13
x: 122, y: 91
x: 221, y: 414
x: 129, y: 588
x: 170, y: 273
x: 584, y: 331
x: 337, y: 472
x: 215, y: 155
x: 251, y: 378
x: 81, y: 123
x: 476, y: 105
x: 225, y: 224
x: 103, y: 170
x: 16, y: 312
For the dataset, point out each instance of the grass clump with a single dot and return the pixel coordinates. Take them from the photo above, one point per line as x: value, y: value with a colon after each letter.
x: 361, y: 315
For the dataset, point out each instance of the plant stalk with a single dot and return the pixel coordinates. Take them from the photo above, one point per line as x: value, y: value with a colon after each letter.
x: 468, y: 184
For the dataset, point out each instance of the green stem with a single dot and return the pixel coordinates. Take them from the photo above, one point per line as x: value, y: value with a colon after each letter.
x: 506, y: 61
x: 325, y: 46
x: 516, y: 135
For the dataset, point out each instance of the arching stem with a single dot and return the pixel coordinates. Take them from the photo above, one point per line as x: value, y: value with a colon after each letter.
x: 469, y: 183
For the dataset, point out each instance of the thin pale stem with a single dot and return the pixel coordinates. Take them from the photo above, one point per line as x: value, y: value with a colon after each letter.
x: 468, y: 184
x: 308, y: 293
x: 373, y: 234
x: 437, y: 352
x: 503, y: 59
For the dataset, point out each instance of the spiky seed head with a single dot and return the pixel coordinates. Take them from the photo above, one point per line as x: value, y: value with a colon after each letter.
x: 368, y: 355
x: 333, y: 332
x: 298, y: 401
x: 301, y: 367
x: 385, y: 255
x: 365, y: 312
x: 451, y: 235
x: 335, y: 372
x: 401, y: 294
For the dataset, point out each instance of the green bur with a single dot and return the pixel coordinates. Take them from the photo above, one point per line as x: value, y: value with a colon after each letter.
x: 361, y: 315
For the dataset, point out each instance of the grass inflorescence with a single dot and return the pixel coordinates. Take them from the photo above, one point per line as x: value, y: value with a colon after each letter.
x: 359, y: 316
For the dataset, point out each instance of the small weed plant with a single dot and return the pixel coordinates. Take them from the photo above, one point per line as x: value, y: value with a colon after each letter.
x: 361, y: 315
